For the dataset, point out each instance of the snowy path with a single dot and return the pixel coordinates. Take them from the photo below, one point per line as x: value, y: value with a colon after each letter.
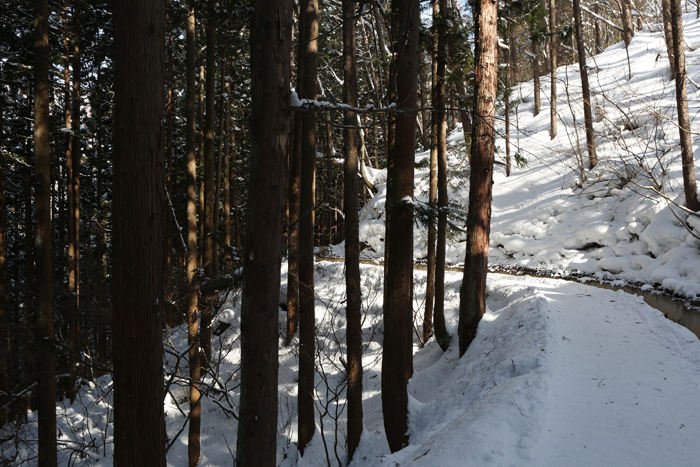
x: 560, y: 374
x: 623, y: 380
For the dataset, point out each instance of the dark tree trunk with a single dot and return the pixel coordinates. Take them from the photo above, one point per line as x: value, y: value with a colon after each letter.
x: 506, y: 95
x: 307, y: 200
x: 440, y: 330
x: 553, y: 51
x: 599, y: 45
x: 193, y: 439
x: 168, y: 240
x: 293, y: 194
x: 472, y: 303
x: 4, y: 337
x: 257, y: 425
x: 46, y: 374
x: 689, y: 185
x: 74, y: 317
x: 352, y: 235
x: 209, y: 188
x: 139, y: 426
x: 585, y: 90
x: 397, y: 361
x: 226, y: 135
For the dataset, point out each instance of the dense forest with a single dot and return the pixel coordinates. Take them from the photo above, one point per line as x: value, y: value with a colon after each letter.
x: 158, y: 156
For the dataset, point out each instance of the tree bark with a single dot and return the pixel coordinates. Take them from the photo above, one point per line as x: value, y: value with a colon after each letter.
x: 689, y: 185
x: 139, y: 426
x: 4, y: 336
x: 553, y: 51
x: 626, y: 21
x: 585, y: 90
x: 226, y: 135
x: 536, y: 73
x: 46, y: 375
x: 352, y: 235
x: 668, y: 34
x: 209, y: 188
x: 397, y: 361
x: 293, y: 196
x: 193, y: 439
x: 441, y: 335
x: 472, y: 303
x: 168, y: 240
x: 74, y: 316
x: 306, y: 231
x: 270, y: 50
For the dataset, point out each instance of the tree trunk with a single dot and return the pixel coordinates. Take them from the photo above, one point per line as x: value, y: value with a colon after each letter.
x: 257, y: 425
x: 626, y: 21
x: 585, y: 90
x: 293, y: 194
x: 553, y: 51
x: 226, y: 135
x: 306, y: 231
x: 689, y: 185
x: 219, y: 163
x: 668, y: 34
x: 506, y: 95
x: 599, y: 45
x: 4, y: 336
x: 352, y: 235
x: 193, y: 440
x: 397, y: 361
x: 209, y: 174
x: 46, y: 379
x: 472, y: 303
x: 536, y: 73
x: 74, y: 317
x: 168, y: 240
x: 139, y: 426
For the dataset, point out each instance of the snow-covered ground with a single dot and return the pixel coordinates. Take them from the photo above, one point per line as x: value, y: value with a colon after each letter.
x: 561, y: 373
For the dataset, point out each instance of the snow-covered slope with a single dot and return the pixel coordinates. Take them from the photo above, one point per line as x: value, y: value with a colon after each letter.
x: 611, y: 221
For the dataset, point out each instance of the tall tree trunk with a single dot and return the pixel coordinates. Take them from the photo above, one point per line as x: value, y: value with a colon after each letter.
x: 201, y: 164
x: 668, y: 34
x: 271, y: 31
x: 689, y: 185
x: 432, y: 189
x: 553, y: 51
x: 193, y: 439
x: 506, y: 95
x: 441, y: 335
x: 293, y: 195
x: 168, y: 241
x: 306, y: 231
x: 139, y: 426
x: 397, y: 361
x: 599, y: 45
x: 219, y: 164
x: 209, y: 174
x: 4, y: 336
x: 74, y: 285
x: 585, y: 90
x: 472, y: 303
x: 536, y: 73
x: 228, y: 269
x: 626, y: 21
x: 352, y: 234
x: 46, y: 375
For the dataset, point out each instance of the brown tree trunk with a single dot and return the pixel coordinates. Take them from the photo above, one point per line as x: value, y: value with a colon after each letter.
x: 139, y: 426
x: 397, y: 361
x: 226, y: 135
x: 306, y: 231
x: 168, y: 240
x: 599, y: 45
x: 472, y: 303
x: 46, y: 379
x: 352, y: 235
x: 689, y: 185
x: 668, y: 34
x: 271, y: 31
x: 193, y: 439
x: 626, y: 21
x: 293, y: 194
x: 4, y: 336
x: 209, y: 188
x: 441, y: 335
x: 507, y: 94
x: 585, y: 90
x: 74, y: 320
x: 553, y: 51
x: 536, y: 73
